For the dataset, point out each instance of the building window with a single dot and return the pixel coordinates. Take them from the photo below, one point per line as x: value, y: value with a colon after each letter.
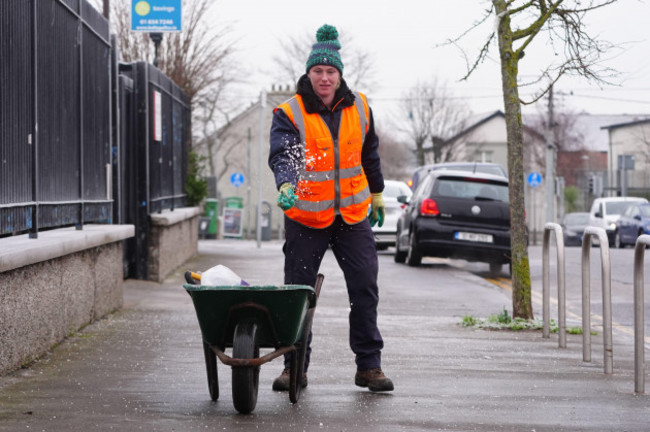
x: 483, y: 156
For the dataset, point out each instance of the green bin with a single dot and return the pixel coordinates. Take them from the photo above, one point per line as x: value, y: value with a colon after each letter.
x: 234, y: 202
x: 211, y: 207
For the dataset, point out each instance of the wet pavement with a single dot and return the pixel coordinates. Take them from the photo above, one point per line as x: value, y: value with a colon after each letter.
x: 142, y: 368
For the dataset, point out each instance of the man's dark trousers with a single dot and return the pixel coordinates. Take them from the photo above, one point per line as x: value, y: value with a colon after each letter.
x: 355, y: 252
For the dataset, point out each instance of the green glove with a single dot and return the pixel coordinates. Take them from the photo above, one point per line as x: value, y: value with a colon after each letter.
x: 378, y: 209
x: 286, y: 197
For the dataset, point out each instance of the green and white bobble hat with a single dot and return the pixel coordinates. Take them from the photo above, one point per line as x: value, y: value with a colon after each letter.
x: 326, y: 50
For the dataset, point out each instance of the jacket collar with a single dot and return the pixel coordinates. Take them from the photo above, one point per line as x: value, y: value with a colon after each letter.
x: 343, y: 97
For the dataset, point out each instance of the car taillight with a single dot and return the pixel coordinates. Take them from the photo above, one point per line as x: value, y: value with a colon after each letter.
x: 429, y: 208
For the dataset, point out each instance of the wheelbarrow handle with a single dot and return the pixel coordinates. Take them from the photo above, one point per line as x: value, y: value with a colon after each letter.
x: 192, y: 278
x: 317, y: 287
x: 319, y: 284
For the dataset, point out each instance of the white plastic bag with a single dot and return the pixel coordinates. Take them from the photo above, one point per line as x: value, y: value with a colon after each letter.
x: 220, y: 276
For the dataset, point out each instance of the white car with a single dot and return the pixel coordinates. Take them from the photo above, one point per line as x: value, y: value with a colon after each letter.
x: 386, y: 234
x: 605, y: 212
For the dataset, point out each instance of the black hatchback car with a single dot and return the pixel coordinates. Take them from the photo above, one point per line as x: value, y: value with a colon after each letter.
x: 456, y: 214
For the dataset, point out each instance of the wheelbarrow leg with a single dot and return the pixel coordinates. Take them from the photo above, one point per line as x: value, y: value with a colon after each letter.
x: 245, y: 379
x: 298, y: 364
x: 211, y: 367
x: 298, y: 356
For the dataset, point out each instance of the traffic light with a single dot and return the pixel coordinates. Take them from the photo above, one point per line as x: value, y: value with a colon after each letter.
x: 591, y: 179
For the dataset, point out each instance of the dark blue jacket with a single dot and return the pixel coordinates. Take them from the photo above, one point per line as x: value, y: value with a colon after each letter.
x: 285, y: 138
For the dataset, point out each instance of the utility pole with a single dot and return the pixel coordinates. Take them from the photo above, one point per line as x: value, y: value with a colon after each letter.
x: 550, y: 161
x: 248, y: 186
x: 259, y: 170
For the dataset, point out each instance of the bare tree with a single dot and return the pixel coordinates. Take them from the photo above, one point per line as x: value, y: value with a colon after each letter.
x: 197, y: 58
x: 566, y: 135
x: 518, y: 23
x: 642, y: 137
x: 434, y: 116
x: 395, y: 156
x: 291, y: 58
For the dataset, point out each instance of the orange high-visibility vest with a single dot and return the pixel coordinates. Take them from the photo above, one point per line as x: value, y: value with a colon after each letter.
x: 331, y: 178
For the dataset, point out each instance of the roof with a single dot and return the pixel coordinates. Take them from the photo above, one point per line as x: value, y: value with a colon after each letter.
x: 590, y: 126
x: 632, y: 123
x: 481, y: 119
x: 476, y: 122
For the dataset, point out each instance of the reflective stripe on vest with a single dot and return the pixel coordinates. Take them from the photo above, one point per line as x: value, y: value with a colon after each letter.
x: 320, y: 191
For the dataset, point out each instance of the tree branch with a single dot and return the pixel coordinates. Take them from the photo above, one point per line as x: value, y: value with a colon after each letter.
x: 480, y: 58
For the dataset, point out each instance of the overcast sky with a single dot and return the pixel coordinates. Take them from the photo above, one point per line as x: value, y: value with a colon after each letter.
x: 402, y: 37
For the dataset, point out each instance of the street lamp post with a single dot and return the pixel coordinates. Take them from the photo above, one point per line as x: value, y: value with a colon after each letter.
x: 156, y: 38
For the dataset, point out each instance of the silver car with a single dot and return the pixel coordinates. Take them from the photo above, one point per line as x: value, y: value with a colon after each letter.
x: 385, y: 235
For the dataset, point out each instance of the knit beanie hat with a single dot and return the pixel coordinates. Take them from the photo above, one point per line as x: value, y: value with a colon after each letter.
x: 326, y: 50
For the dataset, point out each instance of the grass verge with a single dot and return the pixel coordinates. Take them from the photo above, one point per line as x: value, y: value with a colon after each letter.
x: 503, y: 321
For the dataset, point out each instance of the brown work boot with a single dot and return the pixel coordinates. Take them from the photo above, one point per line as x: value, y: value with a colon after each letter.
x: 281, y: 383
x: 374, y: 379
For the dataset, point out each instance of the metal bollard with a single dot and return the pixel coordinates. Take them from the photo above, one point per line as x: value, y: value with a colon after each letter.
x: 591, y: 231
x: 561, y: 284
x: 639, y: 333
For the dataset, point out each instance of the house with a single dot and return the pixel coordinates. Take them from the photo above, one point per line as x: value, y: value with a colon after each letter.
x: 485, y: 140
x: 587, y: 155
x: 629, y: 156
x: 240, y: 164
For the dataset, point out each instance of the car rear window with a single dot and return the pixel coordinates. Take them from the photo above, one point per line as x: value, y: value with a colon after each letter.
x: 471, y: 189
x: 487, y: 169
x: 396, y: 189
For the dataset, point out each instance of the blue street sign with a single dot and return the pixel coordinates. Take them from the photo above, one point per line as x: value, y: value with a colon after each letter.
x: 156, y: 15
x: 237, y: 179
x: 534, y: 179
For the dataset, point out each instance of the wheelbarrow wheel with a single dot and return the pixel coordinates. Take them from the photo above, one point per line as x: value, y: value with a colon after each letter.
x: 211, y: 368
x: 245, y: 379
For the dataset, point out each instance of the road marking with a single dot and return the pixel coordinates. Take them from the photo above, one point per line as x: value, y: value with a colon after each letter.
x: 537, y: 298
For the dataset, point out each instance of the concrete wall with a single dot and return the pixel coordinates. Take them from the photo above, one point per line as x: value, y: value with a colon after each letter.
x: 53, y: 285
x: 633, y: 139
x: 173, y: 240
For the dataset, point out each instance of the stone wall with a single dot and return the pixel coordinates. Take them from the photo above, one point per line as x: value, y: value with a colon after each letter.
x: 174, y: 239
x: 54, y: 285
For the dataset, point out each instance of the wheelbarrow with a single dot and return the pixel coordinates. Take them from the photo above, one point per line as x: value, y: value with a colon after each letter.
x: 247, y: 318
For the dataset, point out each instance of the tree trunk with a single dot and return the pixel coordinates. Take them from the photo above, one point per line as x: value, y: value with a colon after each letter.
x: 419, y: 151
x: 521, y: 292
x: 437, y: 144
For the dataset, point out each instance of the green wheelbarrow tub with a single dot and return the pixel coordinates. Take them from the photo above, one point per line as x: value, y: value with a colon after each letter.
x: 279, y: 311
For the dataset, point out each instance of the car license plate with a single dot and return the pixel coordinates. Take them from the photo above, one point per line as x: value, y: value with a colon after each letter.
x: 476, y: 237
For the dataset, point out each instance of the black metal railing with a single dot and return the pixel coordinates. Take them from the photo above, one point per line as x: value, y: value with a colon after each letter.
x: 154, y: 156
x: 83, y: 138
x: 55, y: 119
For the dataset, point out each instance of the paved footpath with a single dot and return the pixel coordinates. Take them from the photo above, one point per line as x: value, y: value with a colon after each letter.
x: 142, y: 368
